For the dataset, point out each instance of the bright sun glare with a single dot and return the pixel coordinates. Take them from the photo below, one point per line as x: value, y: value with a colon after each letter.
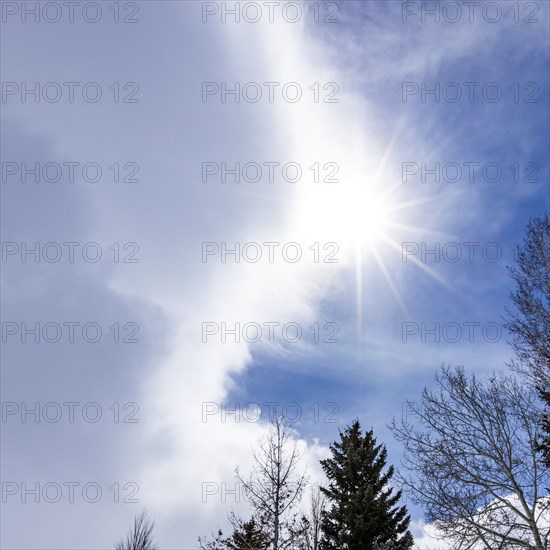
x: 367, y: 223
x: 350, y: 215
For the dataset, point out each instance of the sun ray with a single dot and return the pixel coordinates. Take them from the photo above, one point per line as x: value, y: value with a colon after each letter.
x: 359, y: 293
x: 389, y: 280
x: 409, y: 204
x: 416, y: 229
x: 422, y: 266
x: 363, y: 213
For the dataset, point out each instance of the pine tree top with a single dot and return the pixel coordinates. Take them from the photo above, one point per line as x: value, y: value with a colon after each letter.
x: 363, y: 508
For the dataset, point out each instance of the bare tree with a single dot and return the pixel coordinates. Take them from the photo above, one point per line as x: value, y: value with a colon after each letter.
x: 312, y: 533
x: 472, y: 462
x: 275, y: 486
x: 529, y: 318
x: 140, y: 536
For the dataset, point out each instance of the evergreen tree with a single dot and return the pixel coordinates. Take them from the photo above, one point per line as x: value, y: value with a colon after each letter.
x: 251, y: 535
x: 247, y: 535
x: 362, y: 511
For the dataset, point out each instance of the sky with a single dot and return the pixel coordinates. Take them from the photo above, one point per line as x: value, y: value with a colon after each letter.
x: 306, y: 207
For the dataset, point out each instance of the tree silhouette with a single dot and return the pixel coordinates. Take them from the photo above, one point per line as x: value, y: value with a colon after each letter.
x: 275, y: 486
x: 529, y: 318
x: 140, y: 536
x: 473, y: 462
x: 247, y: 535
x: 362, y: 513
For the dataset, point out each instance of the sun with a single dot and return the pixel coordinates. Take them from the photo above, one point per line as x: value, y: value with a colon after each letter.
x: 364, y: 217
x: 367, y: 220
x: 351, y: 215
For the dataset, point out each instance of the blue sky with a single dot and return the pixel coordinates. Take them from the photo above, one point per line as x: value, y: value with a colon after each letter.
x: 169, y: 293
